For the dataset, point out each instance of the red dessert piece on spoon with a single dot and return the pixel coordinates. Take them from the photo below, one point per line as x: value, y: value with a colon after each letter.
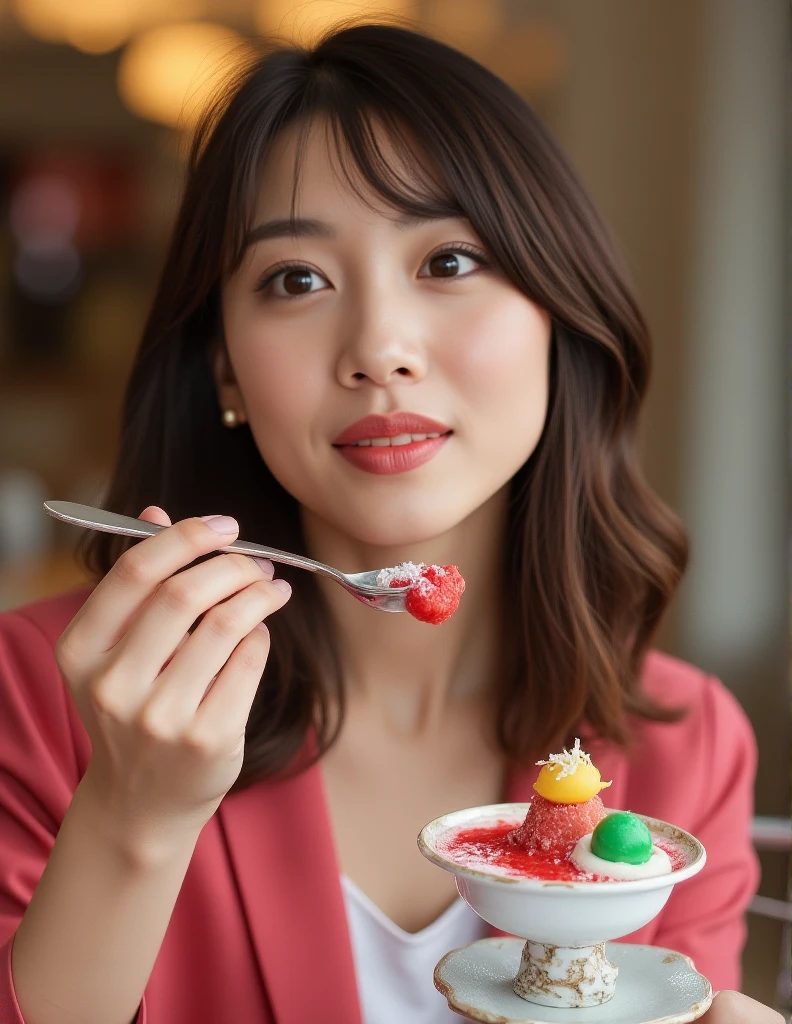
x: 434, y: 593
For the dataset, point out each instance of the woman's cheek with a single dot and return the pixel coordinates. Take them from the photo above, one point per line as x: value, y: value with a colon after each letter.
x: 283, y: 400
x: 501, y: 364
x: 276, y: 384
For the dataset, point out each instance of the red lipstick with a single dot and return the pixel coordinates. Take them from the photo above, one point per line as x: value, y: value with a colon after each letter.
x: 388, y: 459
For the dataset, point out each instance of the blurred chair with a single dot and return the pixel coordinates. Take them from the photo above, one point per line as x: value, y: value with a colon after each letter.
x: 775, y: 834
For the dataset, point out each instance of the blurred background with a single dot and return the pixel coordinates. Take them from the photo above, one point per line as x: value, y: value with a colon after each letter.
x: 674, y: 113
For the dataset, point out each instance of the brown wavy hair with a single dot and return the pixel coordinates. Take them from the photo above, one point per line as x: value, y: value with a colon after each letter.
x: 594, y: 556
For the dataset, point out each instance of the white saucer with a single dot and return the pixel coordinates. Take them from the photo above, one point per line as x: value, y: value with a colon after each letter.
x: 654, y: 986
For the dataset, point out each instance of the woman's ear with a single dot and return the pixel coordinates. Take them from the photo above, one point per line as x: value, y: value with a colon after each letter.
x: 228, y: 394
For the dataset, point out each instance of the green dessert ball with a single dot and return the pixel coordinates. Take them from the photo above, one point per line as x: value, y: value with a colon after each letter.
x: 622, y: 836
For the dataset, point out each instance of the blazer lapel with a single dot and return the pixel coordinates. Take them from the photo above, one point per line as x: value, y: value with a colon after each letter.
x: 284, y: 859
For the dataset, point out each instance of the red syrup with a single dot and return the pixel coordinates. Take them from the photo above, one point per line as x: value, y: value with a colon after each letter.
x: 490, y: 847
x: 675, y: 855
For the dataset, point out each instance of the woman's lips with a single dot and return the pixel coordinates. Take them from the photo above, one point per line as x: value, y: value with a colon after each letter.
x: 387, y: 459
x: 392, y: 444
x: 390, y: 426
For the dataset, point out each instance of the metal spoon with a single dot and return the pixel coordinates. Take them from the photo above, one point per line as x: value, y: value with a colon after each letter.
x: 362, y: 585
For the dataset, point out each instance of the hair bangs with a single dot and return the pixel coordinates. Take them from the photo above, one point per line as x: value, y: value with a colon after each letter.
x: 380, y: 160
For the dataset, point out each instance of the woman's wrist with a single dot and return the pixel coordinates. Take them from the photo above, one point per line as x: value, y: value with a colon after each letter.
x: 111, y: 884
x: 141, y: 840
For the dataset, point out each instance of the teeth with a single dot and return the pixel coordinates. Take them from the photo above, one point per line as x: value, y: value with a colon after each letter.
x: 387, y: 442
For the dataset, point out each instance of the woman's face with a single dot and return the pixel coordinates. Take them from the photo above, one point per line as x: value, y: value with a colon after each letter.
x: 365, y: 316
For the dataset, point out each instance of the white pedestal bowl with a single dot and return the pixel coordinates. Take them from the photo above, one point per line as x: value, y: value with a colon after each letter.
x: 565, y: 924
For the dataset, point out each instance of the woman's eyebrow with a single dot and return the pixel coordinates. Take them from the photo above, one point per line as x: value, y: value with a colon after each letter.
x: 309, y: 227
x: 288, y: 228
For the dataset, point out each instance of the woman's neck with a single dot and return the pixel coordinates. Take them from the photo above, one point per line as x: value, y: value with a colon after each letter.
x: 408, y: 674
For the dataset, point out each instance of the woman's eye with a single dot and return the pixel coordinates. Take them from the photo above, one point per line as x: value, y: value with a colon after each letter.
x: 291, y: 282
x: 453, y: 263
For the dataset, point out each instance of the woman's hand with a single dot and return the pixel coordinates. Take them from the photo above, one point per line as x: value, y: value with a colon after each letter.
x: 166, y: 709
x: 735, y: 1008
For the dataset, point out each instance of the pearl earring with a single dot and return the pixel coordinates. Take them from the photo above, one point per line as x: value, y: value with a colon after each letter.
x: 230, y: 418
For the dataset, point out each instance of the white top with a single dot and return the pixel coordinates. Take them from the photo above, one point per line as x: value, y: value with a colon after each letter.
x: 395, y: 968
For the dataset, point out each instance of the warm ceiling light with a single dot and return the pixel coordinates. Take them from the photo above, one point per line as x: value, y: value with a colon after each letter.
x: 97, y: 26
x: 41, y: 18
x: 305, y: 20
x: 94, y: 26
x: 168, y: 73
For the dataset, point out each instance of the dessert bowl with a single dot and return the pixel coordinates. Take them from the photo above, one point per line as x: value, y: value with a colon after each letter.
x: 565, y: 923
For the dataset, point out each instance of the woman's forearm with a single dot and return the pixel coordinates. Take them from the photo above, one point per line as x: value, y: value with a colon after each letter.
x: 87, y: 943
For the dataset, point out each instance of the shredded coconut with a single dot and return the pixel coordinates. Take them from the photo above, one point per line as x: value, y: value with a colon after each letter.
x: 411, y: 572
x: 568, y: 761
x: 406, y: 571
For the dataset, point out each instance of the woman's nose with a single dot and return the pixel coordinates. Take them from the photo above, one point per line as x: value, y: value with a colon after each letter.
x: 381, y: 350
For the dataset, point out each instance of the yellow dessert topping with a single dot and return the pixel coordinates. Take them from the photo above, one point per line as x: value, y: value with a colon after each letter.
x: 569, y: 778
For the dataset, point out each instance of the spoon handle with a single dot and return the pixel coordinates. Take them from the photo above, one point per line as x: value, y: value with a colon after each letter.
x: 111, y: 522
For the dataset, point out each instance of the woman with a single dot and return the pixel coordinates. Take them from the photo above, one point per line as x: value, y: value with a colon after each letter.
x: 377, y: 243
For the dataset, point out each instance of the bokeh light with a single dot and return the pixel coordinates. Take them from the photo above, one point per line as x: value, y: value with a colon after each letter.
x: 44, y: 213
x: 44, y: 208
x: 48, y: 273
x: 167, y: 74
x: 97, y: 26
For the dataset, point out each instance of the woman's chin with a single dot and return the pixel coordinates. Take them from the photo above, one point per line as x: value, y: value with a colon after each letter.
x: 396, y: 529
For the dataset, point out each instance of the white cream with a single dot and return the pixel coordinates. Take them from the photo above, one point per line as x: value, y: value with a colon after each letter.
x: 658, y: 864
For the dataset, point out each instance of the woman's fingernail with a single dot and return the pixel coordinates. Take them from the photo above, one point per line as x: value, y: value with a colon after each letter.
x: 262, y: 626
x: 222, y: 524
x: 282, y: 585
x: 266, y: 566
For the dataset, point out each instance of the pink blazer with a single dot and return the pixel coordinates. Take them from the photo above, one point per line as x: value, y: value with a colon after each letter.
x: 262, y: 892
